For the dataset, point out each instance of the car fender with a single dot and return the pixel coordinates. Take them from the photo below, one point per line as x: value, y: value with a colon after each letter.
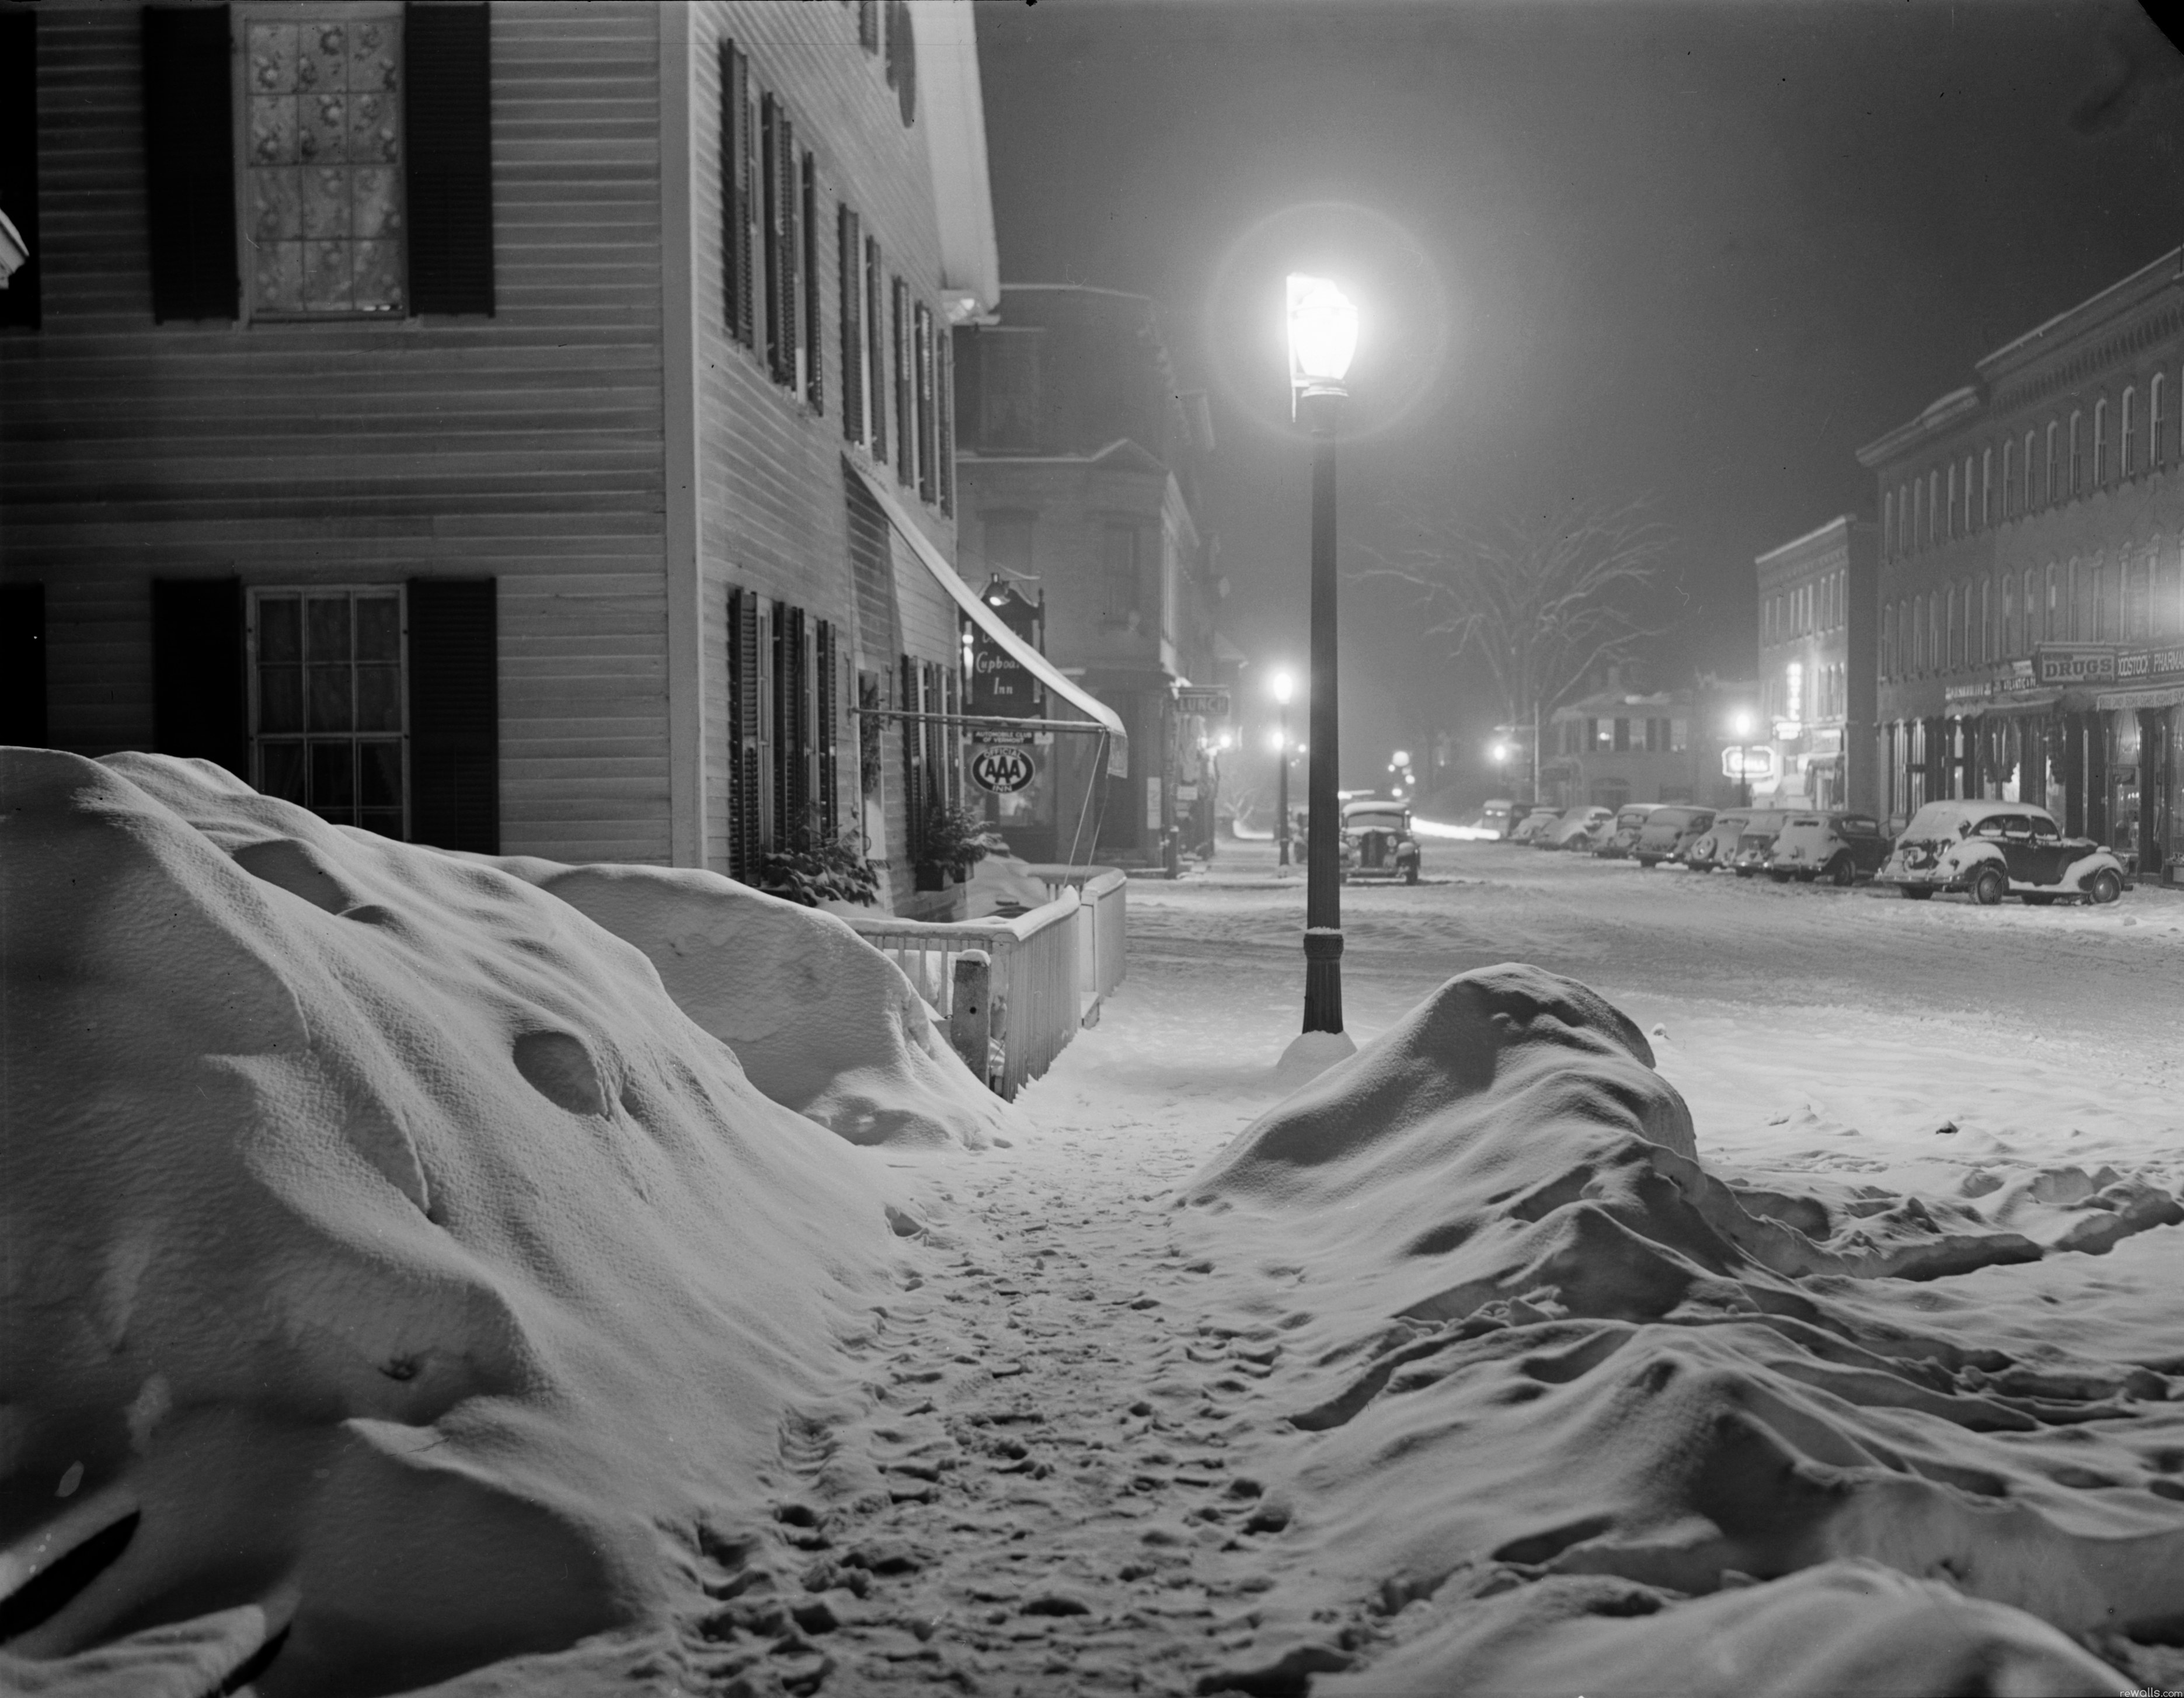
x: 2079, y: 873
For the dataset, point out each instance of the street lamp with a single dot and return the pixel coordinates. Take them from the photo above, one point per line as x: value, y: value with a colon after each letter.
x: 1322, y: 338
x: 1284, y: 686
x: 1742, y: 723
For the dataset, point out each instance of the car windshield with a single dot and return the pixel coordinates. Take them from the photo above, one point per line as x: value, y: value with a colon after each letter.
x: 1377, y: 821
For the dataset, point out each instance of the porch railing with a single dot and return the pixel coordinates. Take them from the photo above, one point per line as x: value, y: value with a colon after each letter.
x: 1005, y: 989
x: 1102, y: 929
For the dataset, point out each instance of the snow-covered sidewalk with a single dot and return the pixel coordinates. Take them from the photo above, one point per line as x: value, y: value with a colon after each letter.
x: 1064, y: 1467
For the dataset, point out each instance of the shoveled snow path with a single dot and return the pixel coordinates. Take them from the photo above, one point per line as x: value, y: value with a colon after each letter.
x: 1047, y: 1479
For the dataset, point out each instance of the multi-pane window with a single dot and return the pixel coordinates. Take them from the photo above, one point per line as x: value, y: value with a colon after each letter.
x: 2077, y: 467
x: 875, y: 343
x: 1986, y: 487
x: 2047, y: 478
x: 2009, y: 478
x: 326, y: 702
x: 323, y: 164
x: 2157, y: 447
x: 2127, y: 443
x: 2100, y: 468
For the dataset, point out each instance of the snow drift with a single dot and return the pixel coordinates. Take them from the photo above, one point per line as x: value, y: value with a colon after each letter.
x: 824, y: 1023
x: 1540, y: 1340
x: 389, y: 1260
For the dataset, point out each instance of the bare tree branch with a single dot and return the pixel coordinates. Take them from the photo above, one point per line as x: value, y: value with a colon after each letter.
x: 1539, y: 601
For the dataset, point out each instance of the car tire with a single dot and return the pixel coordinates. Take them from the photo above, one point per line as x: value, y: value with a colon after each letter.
x: 1842, y: 872
x: 2104, y: 887
x: 1989, y: 888
x: 1912, y: 893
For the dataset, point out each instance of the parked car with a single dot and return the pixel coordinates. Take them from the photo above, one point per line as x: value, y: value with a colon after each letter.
x: 1580, y: 828
x: 1532, y: 824
x: 1995, y: 849
x: 1755, y: 841
x: 1629, y: 820
x: 1714, y: 846
x: 1377, y: 842
x: 1501, y: 817
x: 1841, y: 848
x: 1668, y: 834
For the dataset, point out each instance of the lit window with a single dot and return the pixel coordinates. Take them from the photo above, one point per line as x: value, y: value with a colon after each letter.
x: 323, y: 181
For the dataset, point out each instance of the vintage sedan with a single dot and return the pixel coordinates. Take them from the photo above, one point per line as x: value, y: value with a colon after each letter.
x: 1841, y: 848
x: 1755, y: 841
x: 1377, y: 841
x: 1579, y: 829
x: 1668, y: 834
x: 1539, y: 819
x: 1630, y: 821
x: 1714, y: 846
x: 1998, y: 849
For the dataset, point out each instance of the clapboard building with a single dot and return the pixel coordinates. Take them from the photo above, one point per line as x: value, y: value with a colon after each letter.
x: 521, y: 428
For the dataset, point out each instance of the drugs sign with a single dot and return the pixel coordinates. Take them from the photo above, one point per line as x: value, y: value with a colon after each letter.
x: 1002, y: 768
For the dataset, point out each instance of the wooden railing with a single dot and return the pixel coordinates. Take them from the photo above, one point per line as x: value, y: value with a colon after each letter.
x: 1102, y: 929
x: 1006, y: 989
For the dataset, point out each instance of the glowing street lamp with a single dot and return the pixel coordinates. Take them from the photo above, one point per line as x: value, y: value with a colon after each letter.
x: 1322, y: 328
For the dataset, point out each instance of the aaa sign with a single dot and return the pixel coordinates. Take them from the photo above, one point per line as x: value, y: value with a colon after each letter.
x: 1002, y: 769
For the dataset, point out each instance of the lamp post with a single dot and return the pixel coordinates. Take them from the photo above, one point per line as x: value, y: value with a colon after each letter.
x: 1323, y: 338
x: 1742, y: 724
x: 1284, y: 686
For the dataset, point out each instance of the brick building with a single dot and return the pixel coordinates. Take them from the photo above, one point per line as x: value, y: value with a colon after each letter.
x: 1818, y: 612
x: 512, y: 427
x: 2031, y: 605
x: 1080, y: 461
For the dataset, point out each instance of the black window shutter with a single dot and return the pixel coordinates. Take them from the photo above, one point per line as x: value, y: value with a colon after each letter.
x: 454, y: 713
x: 827, y: 691
x: 944, y: 400
x: 850, y: 245
x: 198, y: 705
x: 815, y: 364
x: 736, y: 216
x: 744, y: 753
x: 18, y: 157
x: 23, y: 664
x: 778, y: 350
x: 447, y: 107
x: 875, y: 343
x: 189, y: 162
x: 905, y: 442
x: 913, y: 758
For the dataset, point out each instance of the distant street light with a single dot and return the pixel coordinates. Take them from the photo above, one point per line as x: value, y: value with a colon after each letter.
x: 1283, y: 686
x: 1322, y: 338
x: 1743, y: 724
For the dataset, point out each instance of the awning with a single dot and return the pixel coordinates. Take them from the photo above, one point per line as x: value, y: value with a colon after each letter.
x: 1068, y: 688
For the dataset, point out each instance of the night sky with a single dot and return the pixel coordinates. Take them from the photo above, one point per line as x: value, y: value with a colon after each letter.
x: 1698, y: 254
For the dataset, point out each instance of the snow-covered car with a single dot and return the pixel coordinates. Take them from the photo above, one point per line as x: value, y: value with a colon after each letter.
x: 1998, y: 849
x: 1668, y: 834
x: 1532, y: 824
x: 1580, y: 828
x: 1714, y: 846
x: 1841, y: 848
x: 1755, y: 841
x: 1377, y: 841
x: 1630, y: 821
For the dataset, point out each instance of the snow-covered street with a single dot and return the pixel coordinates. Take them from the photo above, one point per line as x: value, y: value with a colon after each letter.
x: 1072, y: 1464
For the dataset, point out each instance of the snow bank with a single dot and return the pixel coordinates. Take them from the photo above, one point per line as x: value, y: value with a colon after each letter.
x: 1538, y: 1338
x: 824, y: 1023
x: 387, y: 1254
